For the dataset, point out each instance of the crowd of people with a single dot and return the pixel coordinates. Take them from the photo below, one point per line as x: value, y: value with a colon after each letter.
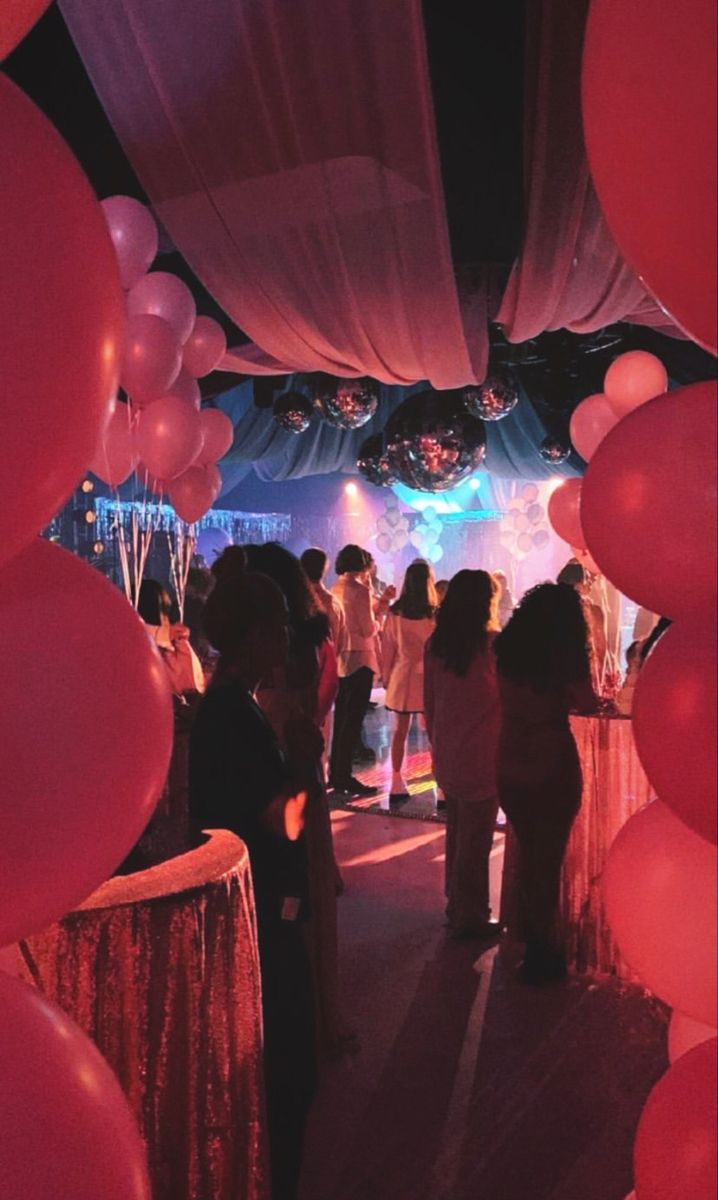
x: 279, y: 730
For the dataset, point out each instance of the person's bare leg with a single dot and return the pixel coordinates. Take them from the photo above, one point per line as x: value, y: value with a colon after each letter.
x: 398, y: 750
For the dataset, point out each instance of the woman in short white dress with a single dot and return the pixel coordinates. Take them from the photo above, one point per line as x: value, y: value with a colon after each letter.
x: 409, y: 623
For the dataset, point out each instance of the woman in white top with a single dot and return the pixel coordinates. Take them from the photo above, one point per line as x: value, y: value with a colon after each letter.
x: 409, y: 623
x: 184, y: 670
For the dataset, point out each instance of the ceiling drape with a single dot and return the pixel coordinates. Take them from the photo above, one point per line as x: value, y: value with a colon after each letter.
x: 569, y: 274
x: 289, y: 148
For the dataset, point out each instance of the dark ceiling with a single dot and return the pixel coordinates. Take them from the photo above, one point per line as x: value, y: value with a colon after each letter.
x: 475, y: 54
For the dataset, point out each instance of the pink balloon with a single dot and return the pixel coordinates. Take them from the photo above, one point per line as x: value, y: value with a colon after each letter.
x: 540, y: 538
x: 675, y: 715
x: 659, y: 888
x: 564, y: 512
x: 525, y: 542
x: 218, y: 433
x: 166, y: 296
x: 185, y: 387
x: 151, y: 358
x: 168, y: 437
x: 631, y: 380
x: 86, y: 742
x: 649, y: 499
x: 134, y: 235
x: 115, y: 458
x: 193, y: 494
x: 590, y: 423
x: 61, y: 321
x: 205, y: 347
x: 684, y: 1033
x: 675, y: 1154
x: 67, y: 1127
x: 649, y: 112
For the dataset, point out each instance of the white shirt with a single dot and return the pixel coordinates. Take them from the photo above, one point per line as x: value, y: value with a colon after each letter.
x: 361, y: 627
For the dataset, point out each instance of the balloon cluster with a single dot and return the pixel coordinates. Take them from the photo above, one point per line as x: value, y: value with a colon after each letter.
x: 524, y: 528
x: 433, y: 444
x: 427, y: 534
x: 646, y: 513
x: 81, y: 784
x: 162, y: 433
x: 373, y: 462
x: 392, y: 529
x: 346, y: 403
x: 493, y: 399
x: 293, y: 412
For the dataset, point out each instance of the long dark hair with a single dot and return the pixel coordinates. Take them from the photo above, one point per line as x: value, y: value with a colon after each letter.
x: 464, y: 619
x: 418, y: 594
x: 308, y: 625
x: 152, y: 602
x: 545, y: 643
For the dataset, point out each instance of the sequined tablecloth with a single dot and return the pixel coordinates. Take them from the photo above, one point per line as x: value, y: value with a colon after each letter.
x: 161, y: 969
x: 614, y: 788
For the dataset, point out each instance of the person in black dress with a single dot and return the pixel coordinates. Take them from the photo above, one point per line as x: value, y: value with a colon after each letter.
x: 239, y: 780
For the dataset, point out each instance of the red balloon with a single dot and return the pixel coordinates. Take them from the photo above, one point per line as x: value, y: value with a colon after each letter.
x: 151, y: 358
x: 632, y: 379
x: 659, y: 888
x: 116, y: 457
x: 684, y: 1033
x: 134, y: 235
x: 168, y: 437
x: 205, y: 347
x: 193, y: 494
x: 675, y: 715
x: 186, y: 388
x: 166, y: 296
x: 214, y: 475
x: 564, y: 512
x: 61, y: 321
x: 86, y: 736
x: 17, y: 18
x: 675, y: 1152
x: 649, y: 110
x: 590, y: 423
x: 67, y: 1127
x: 648, y: 503
x: 218, y: 433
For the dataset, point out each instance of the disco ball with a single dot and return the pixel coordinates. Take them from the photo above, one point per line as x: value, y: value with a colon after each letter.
x: 493, y: 399
x: 554, y: 449
x: 373, y: 462
x: 347, y: 403
x: 433, y: 444
x: 292, y: 411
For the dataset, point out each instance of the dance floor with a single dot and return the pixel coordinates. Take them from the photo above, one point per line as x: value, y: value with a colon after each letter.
x: 466, y: 1085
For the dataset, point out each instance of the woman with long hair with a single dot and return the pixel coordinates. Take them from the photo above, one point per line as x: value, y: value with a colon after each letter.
x: 544, y: 670
x: 409, y: 623
x: 296, y: 698
x: 462, y: 720
x: 239, y: 779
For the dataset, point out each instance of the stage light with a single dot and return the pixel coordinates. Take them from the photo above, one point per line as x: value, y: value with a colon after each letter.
x: 351, y: 489
x: 90, y: 517
x: 98, y: 548
x: 88, y: 485
x: 474, y: 484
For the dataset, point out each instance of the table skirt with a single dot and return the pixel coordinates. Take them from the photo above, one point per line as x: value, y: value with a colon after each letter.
x: 161, y: 970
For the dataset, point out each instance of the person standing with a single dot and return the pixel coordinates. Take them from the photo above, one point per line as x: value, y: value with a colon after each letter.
x: 240, y: 780
x: 408, y: 625
x: 544, y: 671
x: 357, y: 667
x: 462, y: 720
